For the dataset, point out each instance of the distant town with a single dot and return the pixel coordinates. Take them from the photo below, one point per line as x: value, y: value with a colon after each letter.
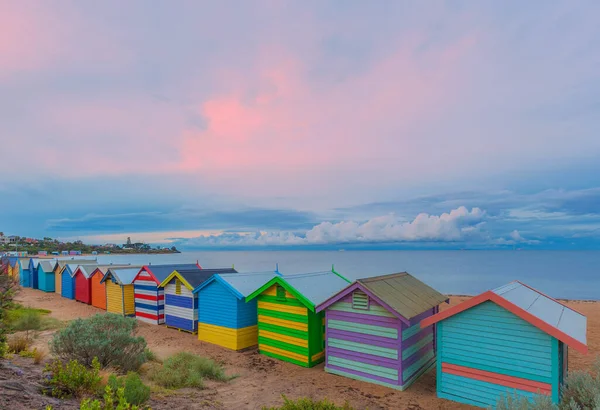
x: 21, y: 246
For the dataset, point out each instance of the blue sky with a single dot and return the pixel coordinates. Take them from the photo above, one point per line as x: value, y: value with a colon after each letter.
x: 303, y: 124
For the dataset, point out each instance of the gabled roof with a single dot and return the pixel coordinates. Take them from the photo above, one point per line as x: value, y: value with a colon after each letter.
x: 35, y: 262
x: 160, y: 272
x: 122, y: 276
x: 72, y: 267
x: 310, y: 288
x: 400, y: 293
x: 240, y: 284
x: 543, y: 312
x: 192, y: 278
x: 47, y: 266
x: 63, y: 262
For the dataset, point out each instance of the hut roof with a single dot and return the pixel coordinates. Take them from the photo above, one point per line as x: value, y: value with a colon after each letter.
x: 192, y: 278
x: 123, y: 276
x: 47, y: 266
x: 160, y: 272
x: 401, y: 293
x: 543, y: 312
x: 310, y: 288
x: 240, y: 284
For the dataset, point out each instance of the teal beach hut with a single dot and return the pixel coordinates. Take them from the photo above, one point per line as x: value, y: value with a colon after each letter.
x: 510, y: 340
x: 33, y: 272
x: 45, y: 276
x: 224, y: 316
x: 24, y: 273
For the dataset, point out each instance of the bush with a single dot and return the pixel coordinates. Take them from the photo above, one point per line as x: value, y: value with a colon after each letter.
x: 29, y: 322
x: 582, y: 390
x: 186, y: 370
x: 111, y: 401
x: 17, y: 344
x: 74, y: 379
x: 515, y: 402
x: 152, y: 357
x: 108, y: 337
x: 21, y: 318
x: 135, y: 391
x: 309, y: 404
x: 8, y: 288
x: 39, y: 355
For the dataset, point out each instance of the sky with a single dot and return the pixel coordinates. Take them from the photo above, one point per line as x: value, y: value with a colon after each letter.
x: 302, y: 124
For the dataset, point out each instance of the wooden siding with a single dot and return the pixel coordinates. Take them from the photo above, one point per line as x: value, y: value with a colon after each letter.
x: 83, y: 290
x: 67, y: 287
x: 45, y: 280
x: 114, y: 298
x: 25, y: 278
x: 181, y: 311
x: 486, y: 351
x: 287, y: 330
x: 149, y: 299
x: 128, y: 300
x: 418, y: 348
x: 58, y: 281
x: 235, y: 339
x: 98, y: 291
x: 225, y: 320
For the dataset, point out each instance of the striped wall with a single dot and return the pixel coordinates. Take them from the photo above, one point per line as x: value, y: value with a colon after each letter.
x: 181, y: 310
x: 45, y: 280
x: 149, y: 299
x: 486, y: 352
x: 225, y: 320
x: 67, y: 287
x: 418, y: 352
x: 287, y: 330
x: 363, y: 344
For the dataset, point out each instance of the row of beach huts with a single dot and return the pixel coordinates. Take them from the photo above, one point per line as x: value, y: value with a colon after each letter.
x: 386, y: 329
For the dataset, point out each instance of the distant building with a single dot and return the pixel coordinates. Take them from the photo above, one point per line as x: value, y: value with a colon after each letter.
x: 43, y: 253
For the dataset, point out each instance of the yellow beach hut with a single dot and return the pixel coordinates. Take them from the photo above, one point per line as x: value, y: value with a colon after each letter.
x: 120, y: 297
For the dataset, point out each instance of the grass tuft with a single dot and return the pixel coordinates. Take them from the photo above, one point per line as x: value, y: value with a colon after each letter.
x: 187, y: 370
x: 309, y: 404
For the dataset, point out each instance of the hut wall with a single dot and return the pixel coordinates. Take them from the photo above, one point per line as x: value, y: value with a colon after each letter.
x: 98, y: 291
x: 58, y: 281
x: 287, y: 330
x: 67, y: 285
x: 485, y: 351
x: 35, y: 276
x: 418, y: 348
x: 128, y: 300
x: 181, y: 309
x: 225, y: 320
x: 114, y: 298
x: 82, y: 289
x: 149, y: 299
x: 45, y: 280
x: 364, y: 344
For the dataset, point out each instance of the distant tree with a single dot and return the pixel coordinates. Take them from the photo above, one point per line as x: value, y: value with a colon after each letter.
x: 174, y: 249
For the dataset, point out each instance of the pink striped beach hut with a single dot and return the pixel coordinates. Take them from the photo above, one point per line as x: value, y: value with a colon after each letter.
x: 373, y: 332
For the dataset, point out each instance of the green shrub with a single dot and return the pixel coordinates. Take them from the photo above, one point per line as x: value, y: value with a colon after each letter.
x: 110, y: 402
x: 152, y: 357
x: 309, y: 404
x: 8, y: 288
x: 27, y: 353
x: 74, y: 379
x: 108, y: 337
x: 582, y: 390
x: 186, y: 370
x: 515, y: 402
x: 21, y: 318
x: 135, y: 391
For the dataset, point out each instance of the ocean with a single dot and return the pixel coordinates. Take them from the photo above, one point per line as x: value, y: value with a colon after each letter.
x: 561, y: 274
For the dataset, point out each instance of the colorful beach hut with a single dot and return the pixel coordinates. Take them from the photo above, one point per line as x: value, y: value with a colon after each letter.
x: 45, y: 276
x: 224, y: 316
x: 119, y: 290
x: 98, y: 287
x: 83, y: 288
x: 510, y: 340
x: 373, y: 332
x: 288, y: 326
x: 33, y: 273
x: 24, y: 273
x: 181, y: 304
x: 149, y: 295
x: 59, y: 265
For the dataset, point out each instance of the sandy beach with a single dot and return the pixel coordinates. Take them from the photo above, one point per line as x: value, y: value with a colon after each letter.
x: 262, y: 380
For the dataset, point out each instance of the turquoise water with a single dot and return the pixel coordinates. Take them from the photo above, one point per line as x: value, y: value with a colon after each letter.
x: 561, y: 274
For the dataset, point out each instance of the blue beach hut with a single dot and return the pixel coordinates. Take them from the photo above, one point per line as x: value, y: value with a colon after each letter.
x: 224, y: 316
x: 24, y: 273
x: 68, y: 279
x: 33, y: 272
x: 181, y: 304
x: 44, y: 277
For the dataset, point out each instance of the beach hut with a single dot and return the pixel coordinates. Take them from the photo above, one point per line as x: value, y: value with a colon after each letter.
x: 59, y: 265
x: 24, y: 273
x: 98, y: 287
x: 45, y: 276
x: 149, y: 295
x: 33, y: 273
x: 181, y: 304
x: 16, y: 270
x: 67, y: 288
x: 224, y: 317
x: 119, y: 290
x: 373, y: 332
x: 510, y: 340
x: 83, y: 288
x: 288, y: 326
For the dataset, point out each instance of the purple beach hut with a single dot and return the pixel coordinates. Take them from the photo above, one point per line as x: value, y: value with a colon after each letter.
x: 373, y: 332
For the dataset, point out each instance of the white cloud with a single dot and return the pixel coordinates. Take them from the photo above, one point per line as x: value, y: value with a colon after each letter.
x: 457, y: 225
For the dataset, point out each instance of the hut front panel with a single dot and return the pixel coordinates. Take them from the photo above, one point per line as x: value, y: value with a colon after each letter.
x: 114, y: 298
x: 283, y: 327
x: 181, y: 310
x: 235, y: 339
x: 486, y: 351
x: 98, y: 291
x: 363, y: 343
x: 25, y: 278
x: 218, y: 306
x: 128, y: 300
x: 45, y: 280
x: 82, y: 289
x: 58, y: 281
x: 149, y: 299
x: 418, y: 348
x: 67, y: 285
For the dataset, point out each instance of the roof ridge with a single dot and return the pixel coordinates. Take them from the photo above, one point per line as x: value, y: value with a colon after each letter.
x: 381, y: 277
x: 549, y: 297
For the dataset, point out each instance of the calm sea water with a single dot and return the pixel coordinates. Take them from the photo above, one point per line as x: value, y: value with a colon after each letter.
x: 561, y: 274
